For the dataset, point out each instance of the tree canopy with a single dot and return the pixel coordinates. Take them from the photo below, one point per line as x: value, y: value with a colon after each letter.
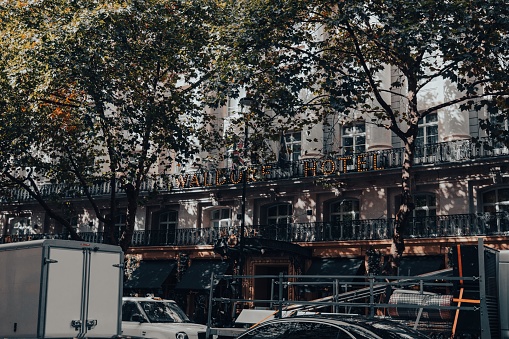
x: 102, y: 91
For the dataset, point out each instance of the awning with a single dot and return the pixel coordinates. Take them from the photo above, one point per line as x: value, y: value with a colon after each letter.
x: 335, y: 266
x: 197, y: 276
x: 417, y: 265
x: 151, y: 274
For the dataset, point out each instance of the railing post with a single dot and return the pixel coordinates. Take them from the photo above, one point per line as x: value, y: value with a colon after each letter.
x: 485, y: 321
x: 280, y: 297
x: 371, y: 296
x: 209, y: 313
x: 335, y: 291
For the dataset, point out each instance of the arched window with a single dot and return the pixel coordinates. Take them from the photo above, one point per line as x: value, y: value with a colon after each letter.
x: 343, y: 214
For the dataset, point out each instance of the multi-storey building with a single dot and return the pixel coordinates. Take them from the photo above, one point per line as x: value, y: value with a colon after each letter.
x: 327, y: 200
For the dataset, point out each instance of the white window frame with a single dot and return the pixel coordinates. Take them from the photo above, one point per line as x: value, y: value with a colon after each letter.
x: 343, y: 211
x: 498, y: 205
x: 280, y: 218
x: 428, y: 207
x: 293, y: 144
x: 164, y: 225
x: 426, y: 124
x: 222, y: 220
x: 355, y: 132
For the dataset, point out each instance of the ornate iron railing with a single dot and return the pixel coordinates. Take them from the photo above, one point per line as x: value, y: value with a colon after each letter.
x: 446, y: 152
x: 371, y: 229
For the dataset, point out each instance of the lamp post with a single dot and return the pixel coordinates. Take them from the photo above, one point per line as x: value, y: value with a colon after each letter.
x: 246, y: 101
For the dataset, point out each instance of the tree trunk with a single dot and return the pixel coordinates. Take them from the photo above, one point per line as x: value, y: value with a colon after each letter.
x: 111, y: 237
x: 132, y: 208
x: 405, y: 211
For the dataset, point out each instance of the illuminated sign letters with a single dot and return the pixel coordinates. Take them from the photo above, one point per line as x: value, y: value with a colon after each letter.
x: 303, y: 169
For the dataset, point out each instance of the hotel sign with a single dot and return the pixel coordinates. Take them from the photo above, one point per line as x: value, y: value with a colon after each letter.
x: 301, y: 169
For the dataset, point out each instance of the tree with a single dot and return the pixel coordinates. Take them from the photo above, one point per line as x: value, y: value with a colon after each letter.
x: 304, y: 61
x: 108, y: 91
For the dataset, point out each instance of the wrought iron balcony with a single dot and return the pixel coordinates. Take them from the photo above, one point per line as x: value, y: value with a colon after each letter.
x: 372, y: 229
x: 432, y: 154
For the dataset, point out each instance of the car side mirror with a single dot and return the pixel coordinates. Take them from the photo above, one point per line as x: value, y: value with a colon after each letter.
x: 138, y: 318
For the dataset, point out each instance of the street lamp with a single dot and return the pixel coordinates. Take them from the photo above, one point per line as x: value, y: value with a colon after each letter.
x: 248, y: 102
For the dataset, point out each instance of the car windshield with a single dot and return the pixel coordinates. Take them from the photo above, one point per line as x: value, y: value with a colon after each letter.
x: 163, y: 312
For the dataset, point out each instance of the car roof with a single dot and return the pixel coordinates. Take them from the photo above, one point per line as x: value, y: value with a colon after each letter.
x: 360, y: 325
x: 154, y: 299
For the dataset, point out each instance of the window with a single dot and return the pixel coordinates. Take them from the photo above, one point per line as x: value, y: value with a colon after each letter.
x: 278, y: 222
x: 234, y: 104
x: 495, y: 205
x: 73, y: 221
x: 427, y: 139
x: 499, y: 123
x: 279, y: 214
x: 344, y: 210
x: 20, y: 225
x: 168, y: 222
x: 232, y: 117
x: 425, y: 205
x: 329, y: 130
x: 424, y: 216
x: 220, y: 217
x: 120, y: 221
x: 496, y: 200
x: 428, y: 130
x: 163, y: 312
x: 128, y: 310
x: 343, y: 213
x: 354, y: 138
x: 293, y: 145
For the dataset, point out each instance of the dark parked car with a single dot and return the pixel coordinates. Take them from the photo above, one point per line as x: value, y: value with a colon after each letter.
x: 330, y: 327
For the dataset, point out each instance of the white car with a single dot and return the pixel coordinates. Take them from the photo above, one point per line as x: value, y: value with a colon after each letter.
x: 157, y: 319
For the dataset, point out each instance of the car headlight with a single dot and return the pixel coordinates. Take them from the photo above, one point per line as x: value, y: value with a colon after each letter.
x: 181, y: 335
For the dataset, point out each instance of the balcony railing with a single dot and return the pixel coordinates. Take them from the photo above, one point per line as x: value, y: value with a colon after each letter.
x: 440, y: 153
x: 373, y: 229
